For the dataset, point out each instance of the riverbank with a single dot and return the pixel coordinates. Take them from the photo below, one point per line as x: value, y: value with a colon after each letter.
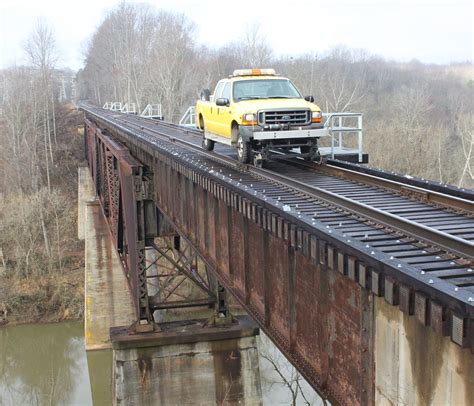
x: 41, y: 259
x: 43, y: 299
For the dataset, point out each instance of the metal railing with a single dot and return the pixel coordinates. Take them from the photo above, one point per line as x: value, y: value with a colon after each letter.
x: 340, y: 125
x: 115, y: 106
x: 152, y: 111
x: 189, y: 118
x: 129, y: 108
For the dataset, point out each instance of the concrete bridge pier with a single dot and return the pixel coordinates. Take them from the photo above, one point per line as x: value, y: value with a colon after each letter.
x: 187, y: 363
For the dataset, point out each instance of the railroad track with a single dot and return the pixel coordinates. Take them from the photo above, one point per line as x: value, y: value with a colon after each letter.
x: 412, y: 223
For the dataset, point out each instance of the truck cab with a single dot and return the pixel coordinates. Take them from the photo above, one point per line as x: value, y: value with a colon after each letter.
x: 259, y: 112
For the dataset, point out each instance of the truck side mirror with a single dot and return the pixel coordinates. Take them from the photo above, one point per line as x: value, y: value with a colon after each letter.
x: 222, y: 101
x: 309, y: 98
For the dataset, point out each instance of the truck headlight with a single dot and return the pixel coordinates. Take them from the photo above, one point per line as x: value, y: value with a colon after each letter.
x: 316, y: 117
x: 249, y: 119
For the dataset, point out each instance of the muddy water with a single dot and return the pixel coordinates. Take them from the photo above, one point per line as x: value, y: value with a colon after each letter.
x: 44, y: 364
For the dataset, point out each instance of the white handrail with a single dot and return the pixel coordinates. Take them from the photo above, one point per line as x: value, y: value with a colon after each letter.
x: 336, y: 124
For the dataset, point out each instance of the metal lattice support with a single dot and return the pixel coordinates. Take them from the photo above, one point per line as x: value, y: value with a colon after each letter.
x: 182, y: 280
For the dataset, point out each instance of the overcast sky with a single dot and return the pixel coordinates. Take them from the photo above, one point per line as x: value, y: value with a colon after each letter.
x: 432, y: 31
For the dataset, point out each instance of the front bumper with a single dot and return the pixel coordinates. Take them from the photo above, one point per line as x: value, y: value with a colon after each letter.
x: 290, y: 134
x: 260, y: 134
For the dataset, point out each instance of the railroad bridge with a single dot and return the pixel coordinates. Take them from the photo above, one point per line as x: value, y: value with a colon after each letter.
x: 363, y: 279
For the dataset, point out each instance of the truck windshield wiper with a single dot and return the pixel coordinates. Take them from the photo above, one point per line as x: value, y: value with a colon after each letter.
x: 251, y: 98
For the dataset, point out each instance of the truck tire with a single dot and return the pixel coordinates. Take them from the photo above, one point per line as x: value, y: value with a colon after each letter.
x: 207, y: 144
x: 205, y: 95
x: 244, y: 150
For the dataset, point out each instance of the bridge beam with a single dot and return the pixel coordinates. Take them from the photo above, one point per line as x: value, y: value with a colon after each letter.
x: 311, y: 289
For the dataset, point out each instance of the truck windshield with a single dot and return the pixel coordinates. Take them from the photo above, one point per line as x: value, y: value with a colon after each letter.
x: 264, y: 89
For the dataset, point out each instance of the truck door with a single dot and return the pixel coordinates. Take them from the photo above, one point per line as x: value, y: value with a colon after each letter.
x: 224, y: 115
x: 210, y: 116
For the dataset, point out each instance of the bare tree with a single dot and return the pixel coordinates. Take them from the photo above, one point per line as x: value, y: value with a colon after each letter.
x: 253, y: 49
x: 467, y: 140
x: 277, y: 371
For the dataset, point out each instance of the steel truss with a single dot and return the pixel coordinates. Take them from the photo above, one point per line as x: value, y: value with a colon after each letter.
x: 152, y: 254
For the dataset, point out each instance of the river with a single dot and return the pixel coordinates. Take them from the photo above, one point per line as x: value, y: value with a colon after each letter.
x: 46, y: 364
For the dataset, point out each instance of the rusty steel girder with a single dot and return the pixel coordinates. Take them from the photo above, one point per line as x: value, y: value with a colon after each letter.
x: 289, y: 282
x: 311, y: 291
x: 292, y: 283
x: 123, y: 191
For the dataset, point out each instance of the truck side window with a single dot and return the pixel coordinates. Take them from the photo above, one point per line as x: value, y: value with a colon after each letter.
x: 218, y: 90
x: 226, y: 91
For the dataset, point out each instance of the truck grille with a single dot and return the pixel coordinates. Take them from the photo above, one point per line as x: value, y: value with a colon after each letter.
x: 293, y: 117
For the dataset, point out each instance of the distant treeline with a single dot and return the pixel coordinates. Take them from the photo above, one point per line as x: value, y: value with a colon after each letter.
x: 417, y: 118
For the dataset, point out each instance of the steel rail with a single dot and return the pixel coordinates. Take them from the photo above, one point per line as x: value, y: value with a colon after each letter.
x: 447, y: 242
x: 419, y: 193
x: 424, y: 193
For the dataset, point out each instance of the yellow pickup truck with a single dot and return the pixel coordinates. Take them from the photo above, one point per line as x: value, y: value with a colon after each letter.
x: 260, y: 113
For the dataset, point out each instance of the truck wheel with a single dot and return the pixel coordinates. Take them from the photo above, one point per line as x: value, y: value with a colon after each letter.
x: 311, y: 152
x: 243, y: 150
x: 207, y: 143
